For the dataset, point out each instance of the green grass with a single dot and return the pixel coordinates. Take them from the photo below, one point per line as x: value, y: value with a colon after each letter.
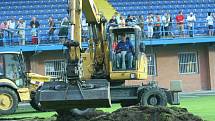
x: 27, y: 112
x: 202, y: 106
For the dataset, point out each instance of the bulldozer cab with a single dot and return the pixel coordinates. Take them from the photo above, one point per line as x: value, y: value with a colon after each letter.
x: 12, y: 68
x: 127, y: 58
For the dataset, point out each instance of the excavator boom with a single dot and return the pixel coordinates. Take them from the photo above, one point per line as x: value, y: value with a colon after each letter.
x: 75, y: 92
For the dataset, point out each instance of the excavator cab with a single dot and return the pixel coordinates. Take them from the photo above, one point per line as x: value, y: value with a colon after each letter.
x: 11, y: 67
x: 127, y: 57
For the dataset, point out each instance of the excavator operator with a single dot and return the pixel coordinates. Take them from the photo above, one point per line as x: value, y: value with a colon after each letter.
x: 124, y: 53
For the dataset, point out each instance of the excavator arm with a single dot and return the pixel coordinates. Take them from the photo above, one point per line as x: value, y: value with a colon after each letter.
x: 96, y: 25
x: 76, y: 92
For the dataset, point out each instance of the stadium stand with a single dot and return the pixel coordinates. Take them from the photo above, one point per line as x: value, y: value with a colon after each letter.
x: 143, y: 7
x: 41, y: 9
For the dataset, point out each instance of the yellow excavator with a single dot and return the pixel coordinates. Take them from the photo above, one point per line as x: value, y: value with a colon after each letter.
x: 100, y: 76
x: 16, y: 85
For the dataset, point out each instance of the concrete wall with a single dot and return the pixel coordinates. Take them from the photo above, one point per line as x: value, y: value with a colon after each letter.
x: 37, y: 60
x: 211, y: 50
x: 168, y: 67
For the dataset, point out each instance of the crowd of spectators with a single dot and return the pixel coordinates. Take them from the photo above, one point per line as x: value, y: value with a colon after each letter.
x: 162, y: 25
x: 12, y: 27
x: 156, y: 26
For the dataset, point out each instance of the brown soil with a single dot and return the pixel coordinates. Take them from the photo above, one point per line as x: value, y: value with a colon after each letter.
x: 136, y: 113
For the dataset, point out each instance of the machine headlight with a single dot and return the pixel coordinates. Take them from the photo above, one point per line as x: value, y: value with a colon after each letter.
x: 133, y: 76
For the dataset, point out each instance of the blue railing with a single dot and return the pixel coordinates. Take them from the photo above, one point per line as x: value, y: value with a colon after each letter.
x: 10, y: 37
x: 199, y: 29
x: 13, y: 37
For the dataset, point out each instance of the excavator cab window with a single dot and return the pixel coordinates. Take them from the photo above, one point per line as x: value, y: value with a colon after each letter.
x: 13, y: 69
x: 123, y: 49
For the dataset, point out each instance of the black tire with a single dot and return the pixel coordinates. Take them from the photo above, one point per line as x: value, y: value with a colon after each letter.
x: 154, y: 97
x: 82, y: 112
x: 35, y: 102
x: 76, y: 111
x: 8, y: 94
x: 128, y: 103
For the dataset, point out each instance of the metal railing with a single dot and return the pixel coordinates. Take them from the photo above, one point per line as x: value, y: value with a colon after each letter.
x: 28, y: 36
x: 11, y: 37
x: 199, y: 29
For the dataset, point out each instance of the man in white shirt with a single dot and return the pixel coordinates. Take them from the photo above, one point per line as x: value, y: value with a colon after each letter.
x: 165, y: 24
x: 210, y: 20
x: 21, y: 31
x: 11, y: 29
x: 191, y: 20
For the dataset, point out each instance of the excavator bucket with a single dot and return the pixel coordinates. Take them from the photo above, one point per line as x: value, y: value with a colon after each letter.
x: 62, y: 96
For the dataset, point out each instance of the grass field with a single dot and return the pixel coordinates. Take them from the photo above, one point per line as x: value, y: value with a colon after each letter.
x: 203, y: 106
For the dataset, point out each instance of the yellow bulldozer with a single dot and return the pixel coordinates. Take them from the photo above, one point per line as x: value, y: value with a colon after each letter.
x: 16, y: 85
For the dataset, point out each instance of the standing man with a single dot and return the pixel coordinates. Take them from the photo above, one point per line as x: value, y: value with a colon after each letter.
x: 210, y: 20
x: 141, y: 24
x: 180, y: 23
x: 34, y: 22
x: 21, y: 31
x: 150, y: 24
x: 11, y: 29
x: 51, y: 28
x: 64, y: 26
x: 157, y: 25
x: 191, y: 19
x: 165, y: 24
x: 129, y: 20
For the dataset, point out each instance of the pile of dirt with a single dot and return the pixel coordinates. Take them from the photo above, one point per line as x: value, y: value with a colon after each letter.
x: 137, y: 113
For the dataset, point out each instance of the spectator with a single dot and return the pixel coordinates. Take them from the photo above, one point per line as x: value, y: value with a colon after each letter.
x: 34, y: 22
x: 34, y: 34
x: 180, y: 23
x: 84, y: 29
x: 63, y: 33
x: 21, y: 31
x: 165, y: 24
x: 157, y: 25
x: 134, y: 20
x: 150, y: 25
x: 2, y: 27
x: 113, y: 21
x: 129, y: 20
x: 170, y: 32
x: 141, y: 24
x: 122, y: 21
x: 52, y: 28
x: 11, y: 29
x: 191, y: 19
x: 5, y: 27
x: 117, y: 17
x: 210, y: 20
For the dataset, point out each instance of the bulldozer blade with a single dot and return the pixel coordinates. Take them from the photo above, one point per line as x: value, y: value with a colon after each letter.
x: 61, y: 96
